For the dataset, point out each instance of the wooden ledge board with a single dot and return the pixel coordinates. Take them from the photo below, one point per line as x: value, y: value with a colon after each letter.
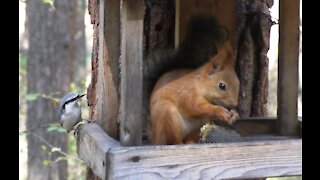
x: 254, y: 159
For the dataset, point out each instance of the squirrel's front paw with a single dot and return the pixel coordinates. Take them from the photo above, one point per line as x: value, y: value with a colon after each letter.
x: 234, y: 116
x: 224, y: 115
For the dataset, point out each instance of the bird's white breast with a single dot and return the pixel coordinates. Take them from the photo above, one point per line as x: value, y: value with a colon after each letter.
x: 71, y: 116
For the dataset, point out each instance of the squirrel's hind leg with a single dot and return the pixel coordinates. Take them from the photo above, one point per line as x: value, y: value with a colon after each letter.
x: 166, y: 127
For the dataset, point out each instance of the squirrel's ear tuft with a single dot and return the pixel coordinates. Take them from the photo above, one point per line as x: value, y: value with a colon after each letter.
x: 216, y: 65
x: 223, y: 58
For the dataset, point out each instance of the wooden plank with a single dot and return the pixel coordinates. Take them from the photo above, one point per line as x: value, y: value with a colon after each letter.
x: 300, y: 126
x: 288, y: 66
x: 108, y: 66
x: 261, y: 125
x: 177, y: 25
x: 208, y: 161
x: 93, y: 145
x: 267, y: 137
x: 223, y: 10
x: 131, y: 72
x: 255, y: 126
x: 263, y: 128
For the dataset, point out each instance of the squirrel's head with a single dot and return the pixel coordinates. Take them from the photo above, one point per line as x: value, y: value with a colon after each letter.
x: 223, y: 79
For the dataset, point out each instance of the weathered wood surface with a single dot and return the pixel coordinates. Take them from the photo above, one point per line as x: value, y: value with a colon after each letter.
x: 94, y: 11
x: 214, y: 161
x: 93, y: 145
x: 288, y: 66
x: 132, y: 12
x: 256, y: 126
x: 108, y: 67
x: 257, y: 157
x: 259, y: 128
x: 93, y: 8
x: 223, y: 10
x: 252, y: 126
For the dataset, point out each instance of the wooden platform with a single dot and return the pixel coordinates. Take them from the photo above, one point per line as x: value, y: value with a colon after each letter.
x: 118, y: 109
x: 258, y: 156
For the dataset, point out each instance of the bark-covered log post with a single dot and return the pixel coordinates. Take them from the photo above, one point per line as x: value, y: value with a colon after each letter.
x: 253, y: 35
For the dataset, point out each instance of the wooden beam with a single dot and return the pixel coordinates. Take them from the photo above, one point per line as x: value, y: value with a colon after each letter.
x: 288, y: 66
x: 264, y: 127
x: 255, y: 126
x: 108, y: 66
x: 177, y: 25
x: 93, y: 145
x: 131, y: 72
x: 208, y: 161
x: 252, y: 126
x: 257, y: 157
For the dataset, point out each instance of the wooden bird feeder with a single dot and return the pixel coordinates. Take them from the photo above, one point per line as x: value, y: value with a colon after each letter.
x: 274, y: 146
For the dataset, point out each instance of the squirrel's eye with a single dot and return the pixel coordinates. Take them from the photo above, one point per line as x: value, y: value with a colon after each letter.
x: 222, y: 86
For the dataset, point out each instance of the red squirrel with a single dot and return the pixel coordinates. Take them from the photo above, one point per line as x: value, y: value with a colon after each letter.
x: 183, y: 100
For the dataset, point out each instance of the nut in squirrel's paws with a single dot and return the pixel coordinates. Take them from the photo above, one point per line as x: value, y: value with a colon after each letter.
x: 234, y: 116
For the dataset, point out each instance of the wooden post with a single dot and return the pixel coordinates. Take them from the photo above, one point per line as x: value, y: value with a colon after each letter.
x: 93, y: 145
x: 131, y: 72
x: 253, y: 35
x: 288, y: 66
x: 223, y: 10
x: 177, y: 25
x: 108, y: 66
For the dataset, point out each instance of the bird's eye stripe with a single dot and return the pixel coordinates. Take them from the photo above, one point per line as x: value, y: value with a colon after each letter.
x: 70, y: 100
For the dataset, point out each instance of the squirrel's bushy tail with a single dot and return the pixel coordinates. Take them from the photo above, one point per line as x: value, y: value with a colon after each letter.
x: 204, y: 35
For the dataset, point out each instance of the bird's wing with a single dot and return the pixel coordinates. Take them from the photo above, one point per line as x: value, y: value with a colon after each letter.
x: 61, y: 111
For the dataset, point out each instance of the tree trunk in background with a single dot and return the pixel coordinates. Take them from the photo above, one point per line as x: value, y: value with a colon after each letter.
x: 252, y: 62
x: 52, y: 36
x: 80, y: 66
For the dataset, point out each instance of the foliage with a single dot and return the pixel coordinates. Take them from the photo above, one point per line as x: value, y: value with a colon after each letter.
x: 50, y: 2
x: 34, y: 96
x: 55, y: 127
x: 77, y: 165
x: 22, y: 85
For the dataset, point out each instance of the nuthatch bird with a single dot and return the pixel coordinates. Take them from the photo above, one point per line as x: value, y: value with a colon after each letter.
x: 70, y: 111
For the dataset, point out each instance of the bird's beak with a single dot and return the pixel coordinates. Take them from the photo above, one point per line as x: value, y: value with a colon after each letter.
x: 80, y: 96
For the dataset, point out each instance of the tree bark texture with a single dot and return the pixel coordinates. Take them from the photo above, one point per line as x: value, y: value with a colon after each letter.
x: 159, y: 26
x: 253, y: 36
x: 93, y: 9
x: 52, y: 35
